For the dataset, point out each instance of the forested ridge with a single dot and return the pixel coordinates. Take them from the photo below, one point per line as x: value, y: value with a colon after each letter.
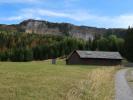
x: 17, y: 46
x: 26, y: 47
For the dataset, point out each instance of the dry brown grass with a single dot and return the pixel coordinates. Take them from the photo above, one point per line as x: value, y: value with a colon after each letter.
x: 44, y: 81
x: 99, y: 85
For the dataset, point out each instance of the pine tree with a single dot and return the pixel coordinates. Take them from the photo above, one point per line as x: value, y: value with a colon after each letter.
x: 129, y: 44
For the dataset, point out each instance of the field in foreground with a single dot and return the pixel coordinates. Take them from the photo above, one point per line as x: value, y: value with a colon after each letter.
x: 44, y: 81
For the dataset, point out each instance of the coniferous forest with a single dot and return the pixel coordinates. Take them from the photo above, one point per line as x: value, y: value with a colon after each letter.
x: 15, y: 46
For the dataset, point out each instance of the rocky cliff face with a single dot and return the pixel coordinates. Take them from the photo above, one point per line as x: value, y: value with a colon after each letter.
x: 39, y: 27
x: 45, y: 27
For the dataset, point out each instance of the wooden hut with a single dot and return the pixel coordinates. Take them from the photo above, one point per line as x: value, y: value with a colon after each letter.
x: 79, y: 57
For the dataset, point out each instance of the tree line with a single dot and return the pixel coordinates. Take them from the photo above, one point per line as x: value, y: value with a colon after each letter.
x: 17, y: 46
x: 27, y: 47
x: 128, y: 45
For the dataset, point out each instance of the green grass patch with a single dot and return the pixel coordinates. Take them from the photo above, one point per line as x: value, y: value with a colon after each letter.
x: 43, y: 81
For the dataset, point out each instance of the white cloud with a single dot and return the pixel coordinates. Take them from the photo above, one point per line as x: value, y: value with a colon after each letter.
x: 11, y: 18
x: 75, y: 15
x: 121, y: 21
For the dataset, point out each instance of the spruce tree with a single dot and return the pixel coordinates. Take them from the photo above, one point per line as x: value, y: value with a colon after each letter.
x: 129, y: 44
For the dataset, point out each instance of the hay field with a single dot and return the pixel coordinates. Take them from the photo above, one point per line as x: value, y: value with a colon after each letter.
x: 40, y: 80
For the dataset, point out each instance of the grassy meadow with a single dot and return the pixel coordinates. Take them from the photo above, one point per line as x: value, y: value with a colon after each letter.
x: 40, y: 80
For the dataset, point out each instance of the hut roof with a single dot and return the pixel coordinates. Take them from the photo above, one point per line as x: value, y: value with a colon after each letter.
x: 98, y: 54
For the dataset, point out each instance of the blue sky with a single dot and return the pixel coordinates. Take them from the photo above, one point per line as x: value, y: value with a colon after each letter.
x: 99, y: 13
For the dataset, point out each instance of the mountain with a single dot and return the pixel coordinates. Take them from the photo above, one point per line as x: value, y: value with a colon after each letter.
x: 45, y: 27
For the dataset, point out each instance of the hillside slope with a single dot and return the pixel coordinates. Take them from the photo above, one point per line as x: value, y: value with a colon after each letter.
x: 45, y: 27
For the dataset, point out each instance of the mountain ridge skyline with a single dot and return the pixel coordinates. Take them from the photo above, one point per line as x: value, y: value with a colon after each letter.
x: 82, y: 25
x: 46, y: 27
